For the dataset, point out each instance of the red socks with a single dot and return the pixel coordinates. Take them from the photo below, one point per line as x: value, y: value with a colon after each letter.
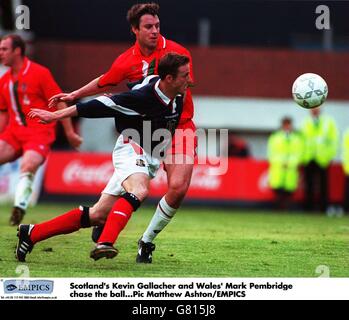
x: 79, y: 218
x: 116, y: 221
x: 66, y: 223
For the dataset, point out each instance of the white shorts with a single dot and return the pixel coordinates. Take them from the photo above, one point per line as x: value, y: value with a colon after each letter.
x: 129, y: 158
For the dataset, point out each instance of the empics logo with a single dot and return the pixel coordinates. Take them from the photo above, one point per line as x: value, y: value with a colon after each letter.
x: 28, y: 287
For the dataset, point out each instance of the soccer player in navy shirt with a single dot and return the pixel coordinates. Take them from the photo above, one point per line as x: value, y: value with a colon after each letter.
x: 137, y: 62
x: 158, y: 102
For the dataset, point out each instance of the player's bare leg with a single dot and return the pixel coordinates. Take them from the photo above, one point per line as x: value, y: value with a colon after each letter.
x: 178, y: 177
x: 31, y: 161
x: 7, y: 152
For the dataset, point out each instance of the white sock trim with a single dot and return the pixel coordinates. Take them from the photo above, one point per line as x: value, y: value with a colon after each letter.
x: 166, y: 209
x: 161, y: 218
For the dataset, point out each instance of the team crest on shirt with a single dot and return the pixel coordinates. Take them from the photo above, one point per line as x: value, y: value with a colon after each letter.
x: 26, y: 100
x: 145, y: 68
x: 140, y: 163
x: 148, y: 69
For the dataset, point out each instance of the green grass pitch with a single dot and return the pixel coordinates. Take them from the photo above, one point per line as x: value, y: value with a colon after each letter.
x: 198, y: 243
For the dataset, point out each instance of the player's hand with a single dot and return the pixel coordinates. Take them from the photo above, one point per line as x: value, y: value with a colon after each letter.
x: 61, y: 97
x: 74, y: 139
x: 43, y: 115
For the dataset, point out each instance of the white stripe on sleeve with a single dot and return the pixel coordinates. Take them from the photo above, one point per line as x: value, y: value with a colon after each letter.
x: 111, y: 104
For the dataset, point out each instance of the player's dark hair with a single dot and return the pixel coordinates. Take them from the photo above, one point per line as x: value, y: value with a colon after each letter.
x: 140, y: 9
x: 170, y: 63
x: 17, y: 42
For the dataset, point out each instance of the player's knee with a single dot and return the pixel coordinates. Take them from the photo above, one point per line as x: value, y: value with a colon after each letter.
x: 141, y: 192
x: 98, y: 216
x: 178, y: 187
x: 98, y: 220
x: 29, y: 167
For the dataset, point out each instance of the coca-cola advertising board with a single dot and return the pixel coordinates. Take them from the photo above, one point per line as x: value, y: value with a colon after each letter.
x: 74, y: 173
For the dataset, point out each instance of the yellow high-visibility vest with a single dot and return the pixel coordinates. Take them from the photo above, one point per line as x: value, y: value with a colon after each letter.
x: 321, y: 140
x: 345, y: 153
x: 284, y: 155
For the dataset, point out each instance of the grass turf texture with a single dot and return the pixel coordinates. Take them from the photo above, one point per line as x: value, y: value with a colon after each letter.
x: 198, y: 243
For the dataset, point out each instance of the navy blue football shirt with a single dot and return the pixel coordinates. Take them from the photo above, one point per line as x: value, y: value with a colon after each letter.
x: 144, y: 110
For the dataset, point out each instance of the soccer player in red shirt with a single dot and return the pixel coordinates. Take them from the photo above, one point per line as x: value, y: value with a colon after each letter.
x: 159, y: 99
x: 25, y: 85
x: 134, y: 64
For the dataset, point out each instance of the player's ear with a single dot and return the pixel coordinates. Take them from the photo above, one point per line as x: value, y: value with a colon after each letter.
x: 169, y: 78
x: 17, y: 51
x: 135, y: 30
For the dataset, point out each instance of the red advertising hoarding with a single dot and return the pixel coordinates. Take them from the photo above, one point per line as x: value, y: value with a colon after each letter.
x: 245, y: 179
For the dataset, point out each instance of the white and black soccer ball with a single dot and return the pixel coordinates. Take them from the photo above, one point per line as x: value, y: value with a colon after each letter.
x: 309, y: 90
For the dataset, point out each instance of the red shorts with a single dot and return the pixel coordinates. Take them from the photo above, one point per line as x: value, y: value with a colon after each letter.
x: 184, y: 140
x: 23, y: 139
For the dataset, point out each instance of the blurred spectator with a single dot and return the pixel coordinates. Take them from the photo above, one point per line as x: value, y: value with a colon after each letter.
x: 345, y: 162
x: 321, y: 143
x: 285, y: 148
x: 237, y: 147
x: 26, y: 84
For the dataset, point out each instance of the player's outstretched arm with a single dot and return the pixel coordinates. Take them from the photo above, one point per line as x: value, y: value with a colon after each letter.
x: 48, y: 117
x: 89, y: 89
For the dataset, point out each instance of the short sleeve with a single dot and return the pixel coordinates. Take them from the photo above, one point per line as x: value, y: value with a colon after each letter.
x: 48, y: 84
x: 114, y: 75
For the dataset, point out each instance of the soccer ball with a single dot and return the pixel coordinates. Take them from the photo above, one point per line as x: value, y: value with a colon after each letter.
x: 309, y: 90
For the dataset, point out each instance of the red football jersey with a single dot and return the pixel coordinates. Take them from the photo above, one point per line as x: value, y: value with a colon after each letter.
x: 32, y: 88
x: 132, y: 65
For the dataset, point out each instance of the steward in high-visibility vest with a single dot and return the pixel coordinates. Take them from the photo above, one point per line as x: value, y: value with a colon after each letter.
x: 321, y: 143
x: 285, y: 150
x: 321, y: 139
x: 345, y: 165
x: 345, y: 153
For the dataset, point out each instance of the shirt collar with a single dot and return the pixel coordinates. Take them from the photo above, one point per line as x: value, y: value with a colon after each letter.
x: 25, y: 67
x: 161, y: 45
x: 160, y: 94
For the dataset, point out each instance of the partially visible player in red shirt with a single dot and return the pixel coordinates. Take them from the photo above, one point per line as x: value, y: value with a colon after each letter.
x: 134, y: 64
x: 25, y: 85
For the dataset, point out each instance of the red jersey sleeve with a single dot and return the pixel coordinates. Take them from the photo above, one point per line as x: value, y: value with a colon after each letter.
x: 115, y: 74
x: 3, y: 105
x: 48, y: 85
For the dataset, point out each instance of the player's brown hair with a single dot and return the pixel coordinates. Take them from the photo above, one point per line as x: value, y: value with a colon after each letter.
x: 170, y: 63
x: 140, y: 9
x: 17, y: 42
